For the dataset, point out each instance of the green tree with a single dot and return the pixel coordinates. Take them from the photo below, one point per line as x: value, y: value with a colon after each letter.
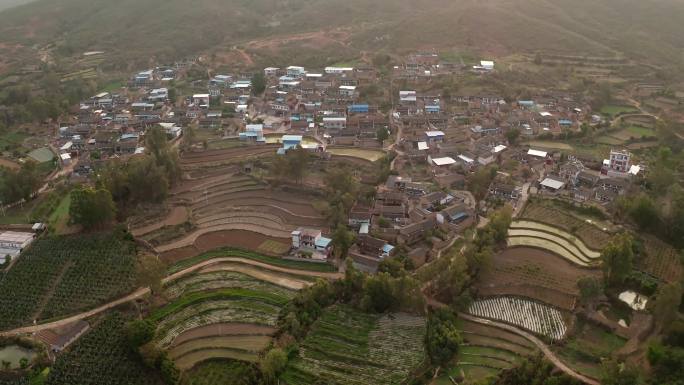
x: 91, y: 207
x: 442, y: 338
x: 618, y: 257
x: 512, y: 136
x: 157, y: 143
x: 379, y: 294
x: 382, y: 134
x: 667, y: 304
x: 258, y: 83
x: 146, y: 180
x: 589, y: 288
x: 342, y: 240
x: 478, y: 182
x: 139, y: 333
x: 273, y: 365
x: 189, y: 136
x: 616, y: 373
x: 150, y: 272
x: 19, y: 184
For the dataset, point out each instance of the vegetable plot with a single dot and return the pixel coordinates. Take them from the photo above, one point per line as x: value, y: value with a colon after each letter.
x: 102, y: 357
x: 347, y: 347
x: 533, y: 316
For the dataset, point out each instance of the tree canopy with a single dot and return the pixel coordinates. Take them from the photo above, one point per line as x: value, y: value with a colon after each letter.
x: 91, y: 207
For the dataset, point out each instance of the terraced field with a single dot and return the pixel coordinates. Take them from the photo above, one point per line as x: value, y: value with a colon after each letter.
x: 348, y: 347
x: 534, y: 273
x: 535, y: 234
x: 220, y: 313
x: 661, y: 261
x: 592, y: 236
x: 485, y: 351
x: 227, y: 201
x: 193, y: 160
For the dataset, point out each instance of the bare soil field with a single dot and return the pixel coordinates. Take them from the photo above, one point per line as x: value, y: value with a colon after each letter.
x: 536, y: 274
x: 229, y: 155
x: 236, y: 238
x: 224, y: 329
x: 9, y: 164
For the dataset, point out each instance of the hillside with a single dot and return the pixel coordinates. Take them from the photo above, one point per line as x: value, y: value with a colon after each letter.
x: 645, y: 30
x: 5, y: 4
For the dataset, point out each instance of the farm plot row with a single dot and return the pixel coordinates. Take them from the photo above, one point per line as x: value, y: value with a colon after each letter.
x: 226, y: 155
x: 209, y: 195
x: 102, y: 356
x: 280, y: 279
x: 304, y: 268
x: 531, y: 225
x: 556, y: 241
x: 64, y: 275
x: 256, y: 226
x: 223, y: 280
x: 347, y: 347
x: 661, y: 261
x: 593, y: 237
x: 535, y: 268
x: 296, y: 204
x: 211, y: 183
x: 218, y: 314
x: 531, y: 241
x: 533, y: 316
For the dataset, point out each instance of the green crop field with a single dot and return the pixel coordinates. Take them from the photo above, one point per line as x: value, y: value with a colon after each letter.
x: 231, y: 252
x: 222, y: 280
x: 220, y: 315
x: 220, y: 372
x: 103, y: 357
x: 348, y: 347
x: 613, y: 110
x: 59, y: 276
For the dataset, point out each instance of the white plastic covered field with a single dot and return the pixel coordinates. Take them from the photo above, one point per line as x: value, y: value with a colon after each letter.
x: 533, y: 316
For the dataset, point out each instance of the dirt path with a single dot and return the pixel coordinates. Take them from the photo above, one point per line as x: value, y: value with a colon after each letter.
x: 145, y: 291
x: 51, y: 290
x: 288, y: 283
x: 528, y: 336
x: 537, y: 342
x: 190, y: 239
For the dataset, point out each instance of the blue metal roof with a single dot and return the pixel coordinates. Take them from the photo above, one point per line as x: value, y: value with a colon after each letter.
x: 323, y: 242
x: 292, y: 138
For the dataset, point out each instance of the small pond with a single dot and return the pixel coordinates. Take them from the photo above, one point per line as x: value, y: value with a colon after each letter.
x: 13, y: 354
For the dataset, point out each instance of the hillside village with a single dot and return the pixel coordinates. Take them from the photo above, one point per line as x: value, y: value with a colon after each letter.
x: 273, y: 178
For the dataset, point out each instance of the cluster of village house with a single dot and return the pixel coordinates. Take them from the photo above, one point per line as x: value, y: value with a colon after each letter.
x: 450, y: 135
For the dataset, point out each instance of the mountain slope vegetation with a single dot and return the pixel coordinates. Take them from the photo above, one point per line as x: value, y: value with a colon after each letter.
x: 647, y: 30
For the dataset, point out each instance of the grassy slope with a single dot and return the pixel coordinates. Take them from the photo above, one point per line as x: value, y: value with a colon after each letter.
x: 645, y: 29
